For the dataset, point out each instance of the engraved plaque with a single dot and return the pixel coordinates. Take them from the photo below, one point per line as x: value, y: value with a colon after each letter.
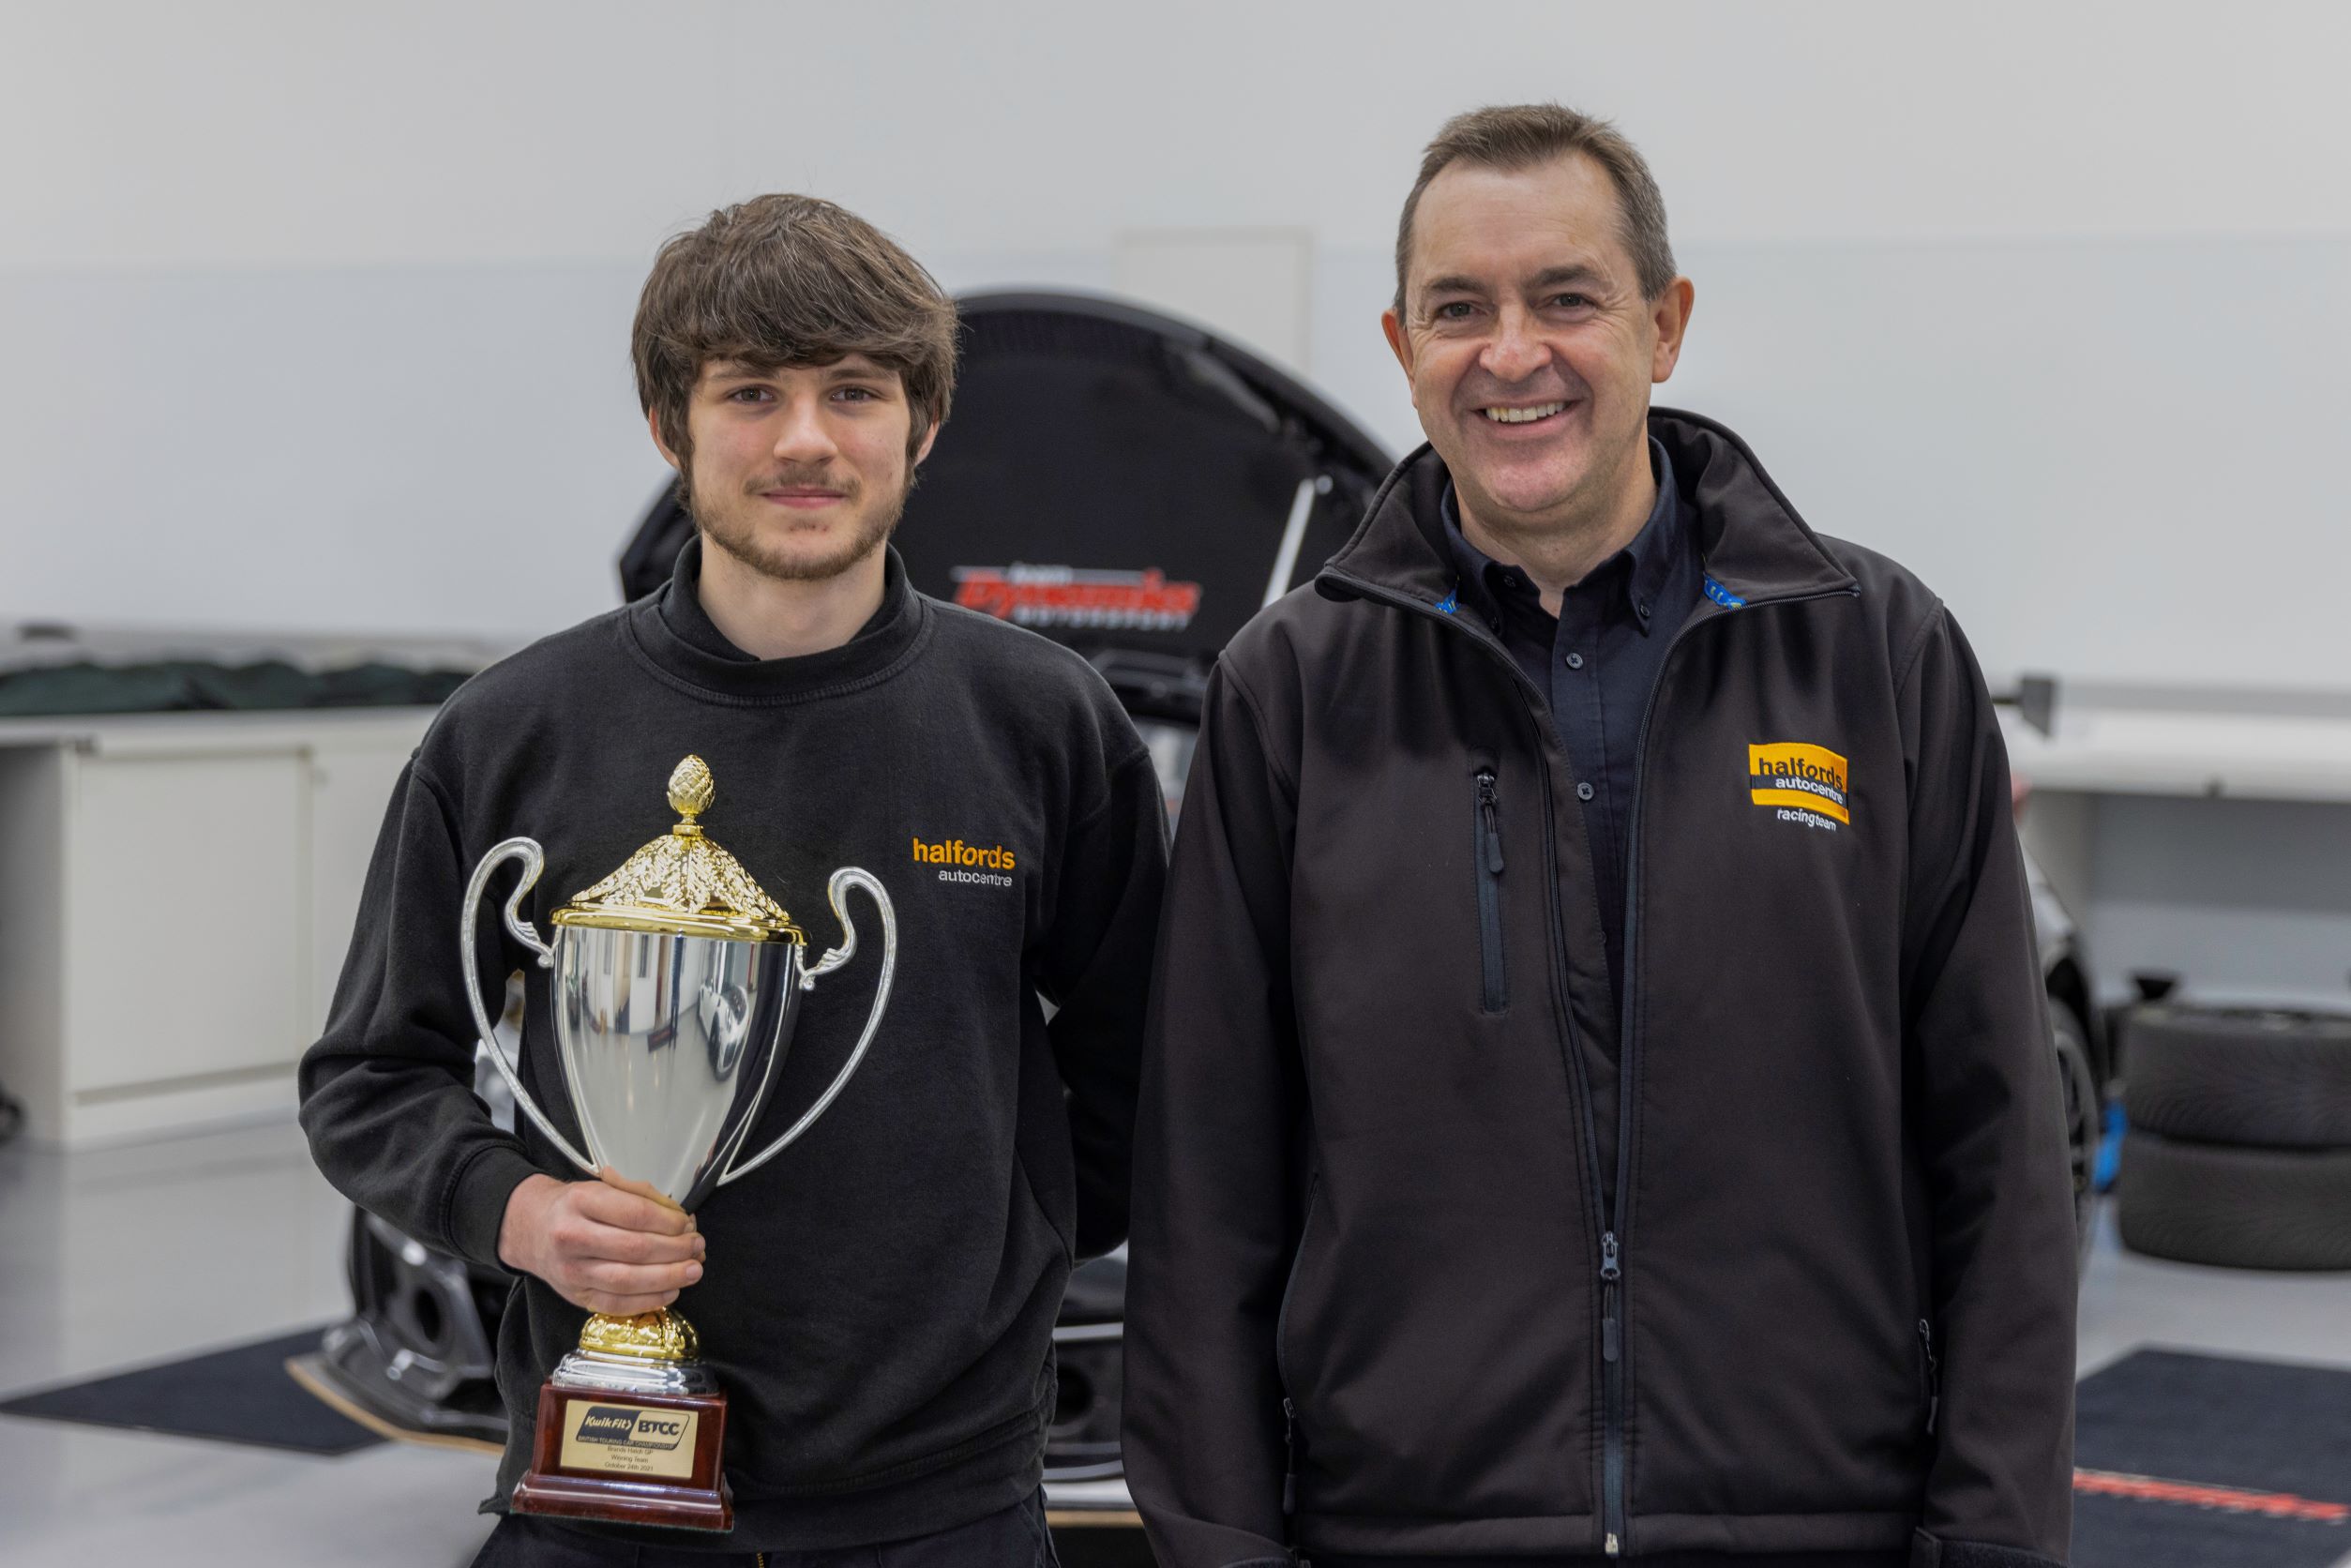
x: 628, y: 1439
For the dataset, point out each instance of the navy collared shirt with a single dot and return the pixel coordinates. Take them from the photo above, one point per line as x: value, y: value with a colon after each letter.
x: 1597, y: 663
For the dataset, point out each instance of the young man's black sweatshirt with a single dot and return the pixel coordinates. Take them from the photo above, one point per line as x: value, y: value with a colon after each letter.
x: 878, y: 1300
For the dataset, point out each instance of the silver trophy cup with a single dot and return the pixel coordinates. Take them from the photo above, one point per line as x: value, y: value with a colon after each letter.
x: 677, y: 984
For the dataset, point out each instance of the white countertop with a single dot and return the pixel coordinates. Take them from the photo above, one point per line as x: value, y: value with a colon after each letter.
x: 2200, y: 752
x: 183, y: 732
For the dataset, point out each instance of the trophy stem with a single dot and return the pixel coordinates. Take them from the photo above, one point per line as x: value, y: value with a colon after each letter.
x: 652, y: 1352
x: 631, y: 1428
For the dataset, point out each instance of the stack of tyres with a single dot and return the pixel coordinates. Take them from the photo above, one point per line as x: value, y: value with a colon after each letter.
x: 2238, y: 1151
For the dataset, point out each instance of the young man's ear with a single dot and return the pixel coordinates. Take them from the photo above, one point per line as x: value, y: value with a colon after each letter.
x: 653, y: 423
x: 924, y: 450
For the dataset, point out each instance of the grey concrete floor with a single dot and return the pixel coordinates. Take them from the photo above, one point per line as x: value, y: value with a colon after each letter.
x: 116, y: 1258
x: 120, y: 1257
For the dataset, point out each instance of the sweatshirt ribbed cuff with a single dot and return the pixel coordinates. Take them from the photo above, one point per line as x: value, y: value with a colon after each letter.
x: 477, y: 1200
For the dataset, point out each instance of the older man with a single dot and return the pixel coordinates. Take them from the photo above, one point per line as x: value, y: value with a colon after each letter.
x: 1598, y: 1102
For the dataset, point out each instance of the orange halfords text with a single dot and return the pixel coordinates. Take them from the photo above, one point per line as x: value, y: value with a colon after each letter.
x: 954, y: 851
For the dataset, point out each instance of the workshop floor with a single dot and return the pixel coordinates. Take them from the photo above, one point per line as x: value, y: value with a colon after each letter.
x: 118, y: 1257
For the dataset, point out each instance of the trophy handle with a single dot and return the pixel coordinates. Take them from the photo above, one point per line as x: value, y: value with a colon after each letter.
x: 843, y: 879
x: 534, y: 861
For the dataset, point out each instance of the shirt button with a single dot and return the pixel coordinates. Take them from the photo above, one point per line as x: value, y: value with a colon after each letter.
x: 1583, y: 790
x: 1575, y: 661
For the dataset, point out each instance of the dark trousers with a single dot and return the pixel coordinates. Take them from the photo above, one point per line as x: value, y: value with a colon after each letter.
x: 1013, y: 1538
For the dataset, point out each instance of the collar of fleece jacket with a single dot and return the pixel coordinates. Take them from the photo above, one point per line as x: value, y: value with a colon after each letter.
x: 1756, y: 546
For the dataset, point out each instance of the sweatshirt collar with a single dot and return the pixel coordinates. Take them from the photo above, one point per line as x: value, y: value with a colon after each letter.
x: 669, y: 629
x: 1753, y: 544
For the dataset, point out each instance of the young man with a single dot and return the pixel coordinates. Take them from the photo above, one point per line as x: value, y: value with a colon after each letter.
x: 1598, y: 1102
x: 878, y: 1302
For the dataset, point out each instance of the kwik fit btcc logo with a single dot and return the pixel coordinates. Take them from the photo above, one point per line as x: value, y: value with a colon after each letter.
x: 1065, y: 597
x: 960, y: 862
x: 618, y: 1427
x: 1802, y: 784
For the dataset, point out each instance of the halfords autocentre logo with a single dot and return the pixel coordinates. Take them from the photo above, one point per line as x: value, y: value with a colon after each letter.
x: 1065, y: 597
x: 968, y: 863
x: 1805, y: 784
x: 618, y: 1427
x: 954, y: 851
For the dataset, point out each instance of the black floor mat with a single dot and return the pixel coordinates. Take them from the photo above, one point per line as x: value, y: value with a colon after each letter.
x: 2193, y: 1461
x: 2185, y: 1461
x: 240, y: 1395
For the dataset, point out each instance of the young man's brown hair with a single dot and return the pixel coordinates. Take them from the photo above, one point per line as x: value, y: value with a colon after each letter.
x: 788, y: 280
x: 1520, y: 136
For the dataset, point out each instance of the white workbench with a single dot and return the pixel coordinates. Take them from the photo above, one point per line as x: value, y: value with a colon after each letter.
x: 2152, y: 752
x: 176, y: 892
x: 2205, y: 834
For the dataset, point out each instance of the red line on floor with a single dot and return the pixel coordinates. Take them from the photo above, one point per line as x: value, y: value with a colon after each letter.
x: 2147, y: 1488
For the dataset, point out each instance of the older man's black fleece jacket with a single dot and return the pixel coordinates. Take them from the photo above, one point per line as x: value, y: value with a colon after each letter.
x: 1383, y: 1298
x: 878, y: 1300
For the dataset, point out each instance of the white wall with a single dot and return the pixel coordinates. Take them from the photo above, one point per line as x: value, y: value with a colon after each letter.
x: 315, y: 316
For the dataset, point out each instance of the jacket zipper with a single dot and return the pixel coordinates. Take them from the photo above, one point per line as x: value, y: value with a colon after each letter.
x: 1934, y: 1375
x: 1611, y: 1329
x: 1612, y: 1390
x: 1614, y: 1535
x: 1613, y: 1464
x: 1290, y: 1457
x: 1281, y: 1366
x: 1487, y: 828
x: 1628, y: 1080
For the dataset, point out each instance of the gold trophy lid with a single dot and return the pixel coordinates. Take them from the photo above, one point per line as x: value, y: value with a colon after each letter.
x: 683, y: 883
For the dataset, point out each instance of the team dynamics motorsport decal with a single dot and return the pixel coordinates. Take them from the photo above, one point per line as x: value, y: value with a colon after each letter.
x: 1802, y: 784
x: 1066, y: 596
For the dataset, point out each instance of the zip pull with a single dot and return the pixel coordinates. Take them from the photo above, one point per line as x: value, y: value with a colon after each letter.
x: 1612, y: 1353
x: 1487, y: 802
x: 1934, y: 1375
x: 1289, y: 1458
x: 1611, y: 1322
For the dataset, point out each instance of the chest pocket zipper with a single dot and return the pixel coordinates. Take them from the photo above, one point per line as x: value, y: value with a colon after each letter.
x: 1486, y: 843
x: 1934, y: 1375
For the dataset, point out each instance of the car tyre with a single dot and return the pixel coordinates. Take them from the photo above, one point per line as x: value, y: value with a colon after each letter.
x: 2084, y: 1122
x: 2244, y: 1077
x: 2235, y: 1208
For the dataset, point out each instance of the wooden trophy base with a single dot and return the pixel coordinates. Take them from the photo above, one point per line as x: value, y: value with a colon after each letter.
x: 629, y: 1458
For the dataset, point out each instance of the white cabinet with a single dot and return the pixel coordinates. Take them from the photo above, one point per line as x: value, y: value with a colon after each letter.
x: 183, y: 915
x: 177, y: 893
x: 350, y: 779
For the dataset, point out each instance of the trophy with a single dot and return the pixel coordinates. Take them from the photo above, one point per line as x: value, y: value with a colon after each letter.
x: 676, y: 982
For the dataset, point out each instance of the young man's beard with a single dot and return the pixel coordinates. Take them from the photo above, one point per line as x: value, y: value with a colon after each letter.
x: 740, y: 537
